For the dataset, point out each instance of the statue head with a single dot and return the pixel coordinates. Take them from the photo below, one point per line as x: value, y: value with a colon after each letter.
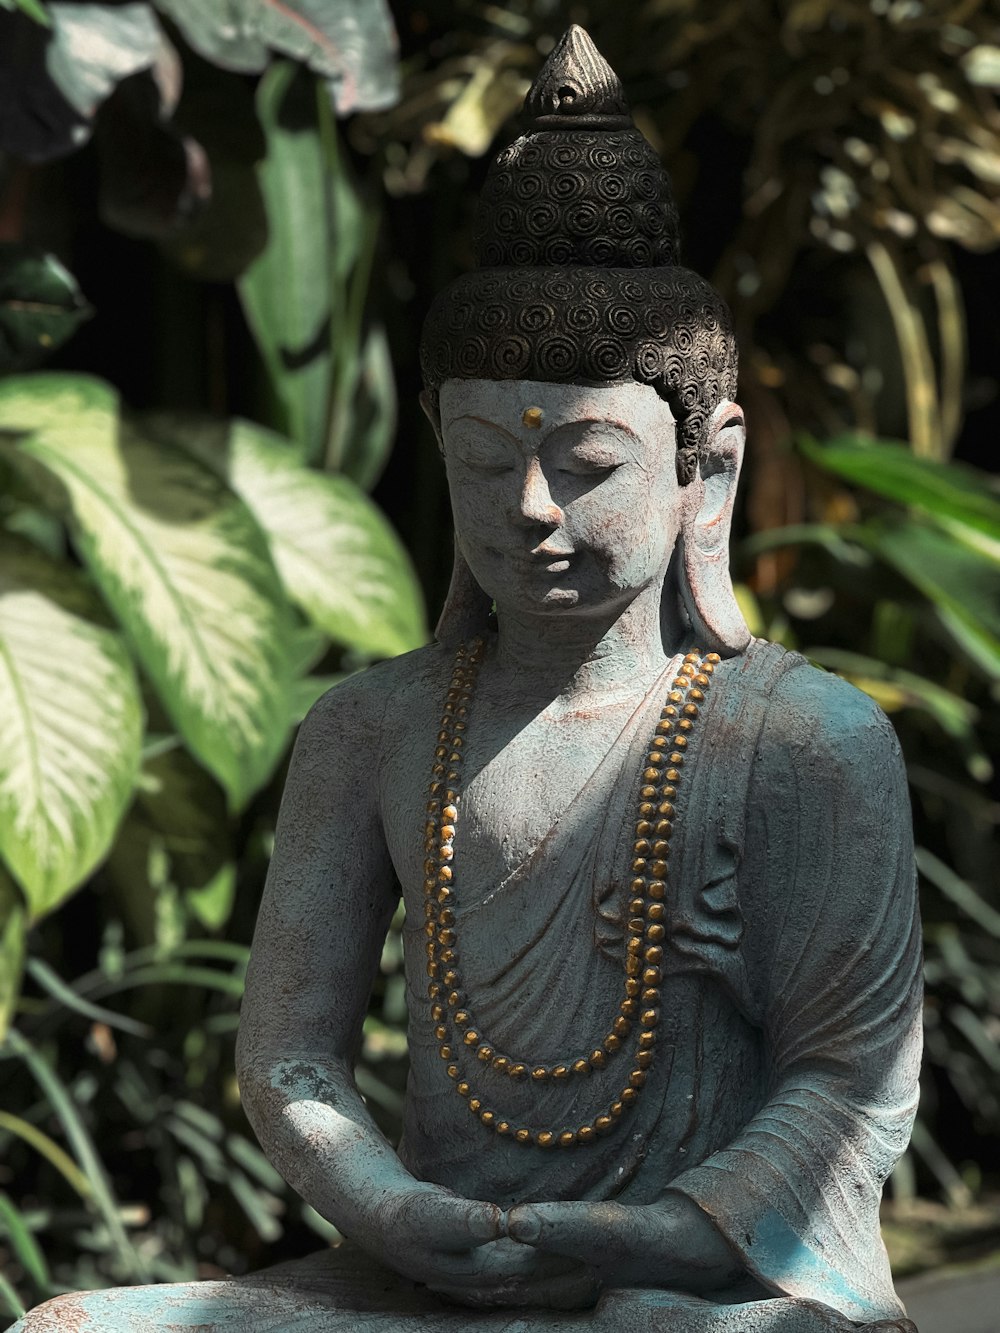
x: 579, y: 287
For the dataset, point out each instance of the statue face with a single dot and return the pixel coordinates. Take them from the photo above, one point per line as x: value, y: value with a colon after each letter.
x: 565, y: 496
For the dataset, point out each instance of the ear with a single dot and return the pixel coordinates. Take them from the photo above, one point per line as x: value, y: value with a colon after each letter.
x: 707, y: 587
x: 429, y: 402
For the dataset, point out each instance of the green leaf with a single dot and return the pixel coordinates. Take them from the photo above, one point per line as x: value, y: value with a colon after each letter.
x: 13, y: 930
x: 40, y: 306
x: 963, y: 587
x: 286, y: 291
x: 950, y: 493
x: 26, y: 1248
x: 179, y: 814
x: 33, y: 8
x: 181, y: 562
x: 336, y: 554
x: 352, y: 43
x: 70, y: 727
x: 56, y: 76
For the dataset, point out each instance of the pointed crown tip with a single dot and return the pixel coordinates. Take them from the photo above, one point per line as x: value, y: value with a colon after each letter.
x: 576, y: 81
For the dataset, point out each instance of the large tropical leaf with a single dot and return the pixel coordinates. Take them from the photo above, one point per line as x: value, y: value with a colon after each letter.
x: 182, y: 563
x: 957, y: 497
x: 286, y: 292
x: 352, y: 43
x: 53, y: 80
x: 962, y: 585
x: 70, y: 727
x: 338, y: 557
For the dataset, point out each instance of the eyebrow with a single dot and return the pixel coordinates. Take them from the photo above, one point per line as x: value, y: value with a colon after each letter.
x: 565, y: 425
x: 482, y: 421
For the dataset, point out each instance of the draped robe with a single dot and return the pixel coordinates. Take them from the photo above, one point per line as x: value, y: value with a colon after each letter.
x: 784, y: 1080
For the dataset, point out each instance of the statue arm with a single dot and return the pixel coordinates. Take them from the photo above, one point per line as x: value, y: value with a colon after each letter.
x: 832, y: 947
x: 330, y: 895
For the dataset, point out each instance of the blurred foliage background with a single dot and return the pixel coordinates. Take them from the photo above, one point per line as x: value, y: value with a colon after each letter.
x: 217, y: 496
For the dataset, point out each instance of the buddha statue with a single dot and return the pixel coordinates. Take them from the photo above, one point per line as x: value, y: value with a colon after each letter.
x: 661, y: 945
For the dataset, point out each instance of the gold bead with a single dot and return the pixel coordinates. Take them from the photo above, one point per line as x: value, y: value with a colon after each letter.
x: 659, y: 743
x: 665, y: 726
x: 628, y: 1008
x: 639, y: 864
x: 560, y: 1071
x: 433, y: 807
x: 640, y: 846
x: 616, y: 1109
x: 567, y: 1138
x: 502, y: 1126
x: 651, y: 997
x: 585, y: 1134
x: 673, y: 775
x: 475, y: 1105
x: 668, y: 794
x: 680, y: 742
x: 471, y: 1038
x: 646, y: 808
x: 632, y: 987
x: 539, y: 1074
x: 638, y: 885
x: 697, y: 695
x: 685, y: 725
x: 451, y: 1071
x: 655, y: 932
x: 664, y: 828
x: 692, y: 657
x: 433, y: 968
x: 650, y: 774
x: 501, y: 1063
x: 446, y: 874
x: 632, y: 965
x: 446, y: 917
x: 484, y: 1053
x: 635, y: 924
x: 445, y: 1052
x: 642, y: 828
x: 633, y: 945
x: 517, y: 1071
x: 649, y: 1018
x: 441, y: 751
x: 677, y: 758
x: 454, y: 997
x: 450, y: 813
x: 440, y: 1032
x: 522, y: 1135
x: 622, y: 1026
x: 661, y: 847
x: 581, y: 1066
x: 603, y: 1123
x: 434, y: 990
x: 648, y: 792
x: 462, y: 1018
x: 637, y: 1078
x: 444, y: 894
x: 611, y: 1043
x: 598, y: 1059
x: 647, y: 1040
x: 430, y: 884
x: 713, y: 658
x: 655, y: 911
x: 487, y: 1117
x: 447, y: 832
x: 669, y: 712
x: 448, y: 956
x: 430, y: 929
x: 545, y: 1138
x: 446, y: 937
x: 659, y: 869
x: 430, y: 910
x: 462, y: 1089
x: 629, y: 1096
x: 636, y: 906
x: 644, y: 1059
x: 657, y: 888
x: 652, y: 976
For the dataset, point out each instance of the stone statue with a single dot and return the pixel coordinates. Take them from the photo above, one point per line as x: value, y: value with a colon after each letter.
x: 662, y: 953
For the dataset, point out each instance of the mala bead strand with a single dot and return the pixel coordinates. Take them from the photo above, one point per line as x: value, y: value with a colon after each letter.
x: 453, y: 1023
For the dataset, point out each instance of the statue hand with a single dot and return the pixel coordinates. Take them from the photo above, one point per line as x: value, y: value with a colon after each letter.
x: 428, y: 1233
x: 671, y: 1243
x: 516, y: 1276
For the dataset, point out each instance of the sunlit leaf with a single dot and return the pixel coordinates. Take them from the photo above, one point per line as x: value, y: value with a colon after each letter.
x: 949, y: 492
x: 40, y: 306
x: 181, y: 561
x: 70, y: 727
x: 338, y: 557
x: 963, y: 587
x: 351, y: 43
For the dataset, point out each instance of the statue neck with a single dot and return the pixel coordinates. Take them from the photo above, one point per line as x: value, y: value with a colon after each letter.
x: 588, y: 658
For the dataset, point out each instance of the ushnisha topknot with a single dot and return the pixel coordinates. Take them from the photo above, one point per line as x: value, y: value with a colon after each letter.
x: 578, y: 245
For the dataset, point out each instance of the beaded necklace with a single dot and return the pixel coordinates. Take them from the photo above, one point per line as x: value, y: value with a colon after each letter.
x: 455, y: 1027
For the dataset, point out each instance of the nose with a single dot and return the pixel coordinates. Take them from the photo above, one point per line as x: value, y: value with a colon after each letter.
x: 537, y: 505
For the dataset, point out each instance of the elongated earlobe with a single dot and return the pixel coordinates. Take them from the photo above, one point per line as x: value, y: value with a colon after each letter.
x: 466, y: 610
x: 706, y: 585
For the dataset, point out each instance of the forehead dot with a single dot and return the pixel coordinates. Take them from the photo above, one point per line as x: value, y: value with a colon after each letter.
x: 532, y: 417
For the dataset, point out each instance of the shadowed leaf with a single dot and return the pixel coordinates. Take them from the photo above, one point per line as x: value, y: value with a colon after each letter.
x: 40, y: 306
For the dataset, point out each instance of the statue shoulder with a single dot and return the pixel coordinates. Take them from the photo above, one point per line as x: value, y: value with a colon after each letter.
x: 831, y: 726
x: 358, y: 708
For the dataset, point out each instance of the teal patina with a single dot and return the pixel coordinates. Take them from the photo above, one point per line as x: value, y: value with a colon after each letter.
x: 662, y: 952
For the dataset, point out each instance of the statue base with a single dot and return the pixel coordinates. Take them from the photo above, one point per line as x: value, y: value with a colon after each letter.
x: 342, y: 1290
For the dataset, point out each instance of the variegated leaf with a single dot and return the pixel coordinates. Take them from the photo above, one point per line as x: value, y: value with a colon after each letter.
x: 70, y: 727
x: 181, y: 561
x: 337, y: 556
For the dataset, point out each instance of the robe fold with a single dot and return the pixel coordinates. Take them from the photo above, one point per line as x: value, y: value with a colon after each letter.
x: 784, y: 1079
